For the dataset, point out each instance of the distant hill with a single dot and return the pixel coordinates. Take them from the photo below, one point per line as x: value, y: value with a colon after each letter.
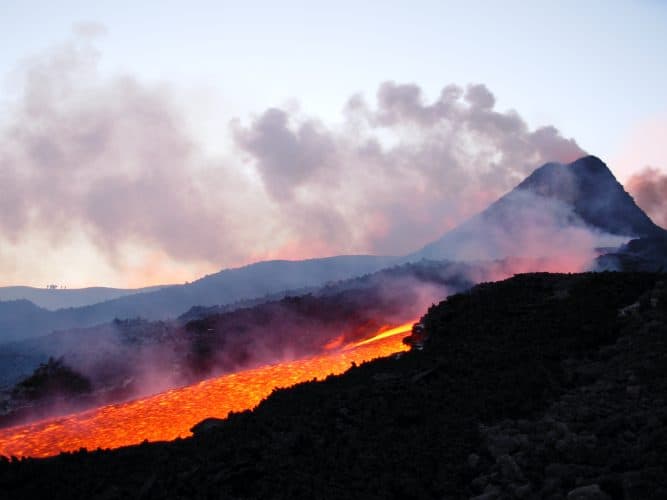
x: 19, y: 320
x: 559, y: 210
x: 69, y: 297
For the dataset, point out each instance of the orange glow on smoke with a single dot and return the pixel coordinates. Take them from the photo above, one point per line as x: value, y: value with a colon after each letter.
x: 171, y: 414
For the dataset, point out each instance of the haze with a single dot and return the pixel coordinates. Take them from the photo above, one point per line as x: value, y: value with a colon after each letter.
x: 157, y: 143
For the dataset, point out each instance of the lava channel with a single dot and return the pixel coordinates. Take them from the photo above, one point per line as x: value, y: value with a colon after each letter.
x: 171, y: 414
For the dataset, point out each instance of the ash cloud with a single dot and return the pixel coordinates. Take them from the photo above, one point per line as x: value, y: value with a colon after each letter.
x: 404, y: 170
x: 649, y: 188
x: 112, y: 158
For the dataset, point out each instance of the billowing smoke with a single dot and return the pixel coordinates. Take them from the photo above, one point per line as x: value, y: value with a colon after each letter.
x: 649, y: 188
x: 108, y: 165
x: 526, y: 225
x: 132, y: 358
x: 394, y: 175
x: 107, y: 156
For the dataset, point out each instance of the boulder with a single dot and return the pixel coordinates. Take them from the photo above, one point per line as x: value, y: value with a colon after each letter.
x: 589, y: 492
x: 207, y: 425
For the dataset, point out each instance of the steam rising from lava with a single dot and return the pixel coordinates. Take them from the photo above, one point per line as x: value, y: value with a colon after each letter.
x: 171, y: 414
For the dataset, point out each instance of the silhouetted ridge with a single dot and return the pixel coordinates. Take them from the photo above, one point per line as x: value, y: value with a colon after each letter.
x: 597, y: 197
x: 547, y: 215
x: 541, y: 386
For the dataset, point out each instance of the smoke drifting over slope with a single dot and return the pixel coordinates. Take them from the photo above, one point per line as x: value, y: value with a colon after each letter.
x: 407, y: 170
x: 107, y: 156
x: 131, y: 358
x: 563, y: 213
x: 107, y: 166
x: 649, y: 187
x: 525, y: 225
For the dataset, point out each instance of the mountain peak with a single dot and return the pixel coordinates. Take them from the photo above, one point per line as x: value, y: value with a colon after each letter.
x: 596, y: 196
x: 591, y: 163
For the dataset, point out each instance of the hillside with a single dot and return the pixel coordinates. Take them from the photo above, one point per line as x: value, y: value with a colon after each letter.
x: 579, y: 207
x: 568, y: 214
x: 227, y: 286
x: 143, y: 357
x: 242, y: 334
x: 540, y: 386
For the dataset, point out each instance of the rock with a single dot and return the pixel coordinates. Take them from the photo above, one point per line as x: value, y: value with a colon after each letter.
x: 634, y: 486
x: 567, y: 474
x: 521, y: 459
x: 146, y: 487
x: 562, y: 429
x: 607, y: 352
x: 550, y: 486
x: 521, y: 491
x: 590, y: 492
x: 523, y: 441
x: 560, y: 446
x: 589, y: 373
x: 486, y: 496
x: 109, y: 494
x: 551, y: 437
x: 612, y: 484
x: 652, y: 422
x: 491, y: 492
x: 525, y: 426
x: 207, y: 425
x: 479, y: 483
x: 509, y: 469
x: 629, y: 436
x: 554, y: 470
x: 492, y: 489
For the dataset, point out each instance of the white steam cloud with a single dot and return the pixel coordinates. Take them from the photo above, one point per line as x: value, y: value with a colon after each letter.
x: 111, y: 160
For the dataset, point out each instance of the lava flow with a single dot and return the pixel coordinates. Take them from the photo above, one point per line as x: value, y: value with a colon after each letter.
x: 171, y: 414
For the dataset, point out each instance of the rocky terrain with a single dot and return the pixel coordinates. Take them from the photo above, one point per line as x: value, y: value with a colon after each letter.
x: 603, y: 437
x: 563, y: 217
x: 22, y: 319
x: 541, y: 386
x: 131, y: 358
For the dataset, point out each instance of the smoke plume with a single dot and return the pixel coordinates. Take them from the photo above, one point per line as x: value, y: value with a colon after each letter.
x: 107, y: 165
x: 649, y: 188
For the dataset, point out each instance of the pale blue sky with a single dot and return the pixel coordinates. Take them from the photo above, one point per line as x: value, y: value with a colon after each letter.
x: 594, y: 69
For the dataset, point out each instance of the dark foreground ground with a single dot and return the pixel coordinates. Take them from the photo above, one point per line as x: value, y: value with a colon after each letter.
x: 541, y: 386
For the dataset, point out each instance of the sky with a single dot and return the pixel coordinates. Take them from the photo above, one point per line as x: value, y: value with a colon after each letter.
x: 152, y: 142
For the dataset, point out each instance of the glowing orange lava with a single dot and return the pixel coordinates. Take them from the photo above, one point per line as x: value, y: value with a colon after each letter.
x: 171, y: 414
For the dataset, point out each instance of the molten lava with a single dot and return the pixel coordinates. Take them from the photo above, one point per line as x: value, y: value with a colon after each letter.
x: 171, y: 414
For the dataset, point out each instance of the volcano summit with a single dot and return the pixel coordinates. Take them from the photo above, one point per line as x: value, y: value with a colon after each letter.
x: 560, y: 211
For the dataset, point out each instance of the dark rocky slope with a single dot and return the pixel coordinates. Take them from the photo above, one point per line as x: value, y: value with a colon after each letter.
x: 541, y: 386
